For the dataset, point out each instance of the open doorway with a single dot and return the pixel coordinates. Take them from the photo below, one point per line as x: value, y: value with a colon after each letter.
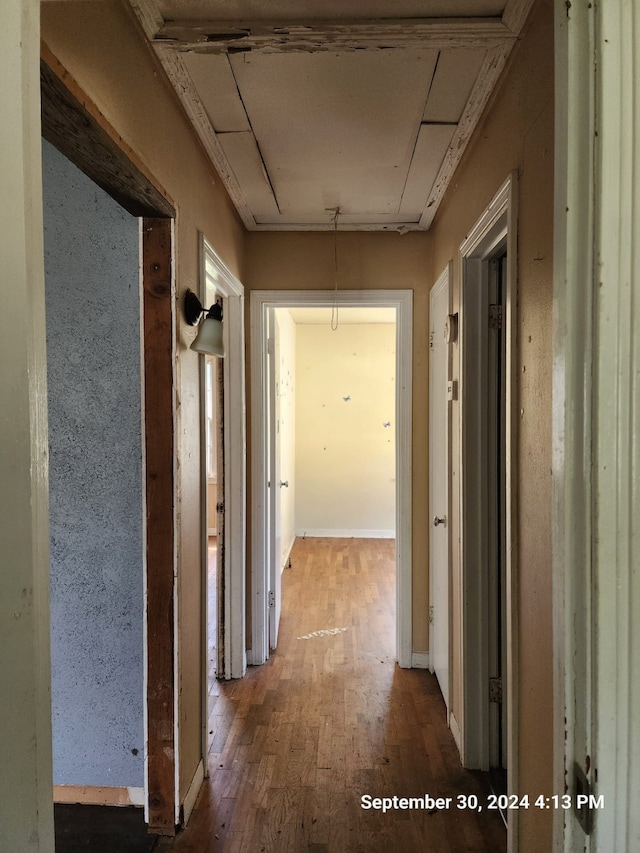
x: 96, y: 489
x: 223, y: 477
x: 331, y: 432
x: 214, y: 504
x: 487, y: 509
x: 266, y: 482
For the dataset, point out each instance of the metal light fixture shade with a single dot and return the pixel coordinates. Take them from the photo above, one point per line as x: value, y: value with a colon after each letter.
x: 209, y: 338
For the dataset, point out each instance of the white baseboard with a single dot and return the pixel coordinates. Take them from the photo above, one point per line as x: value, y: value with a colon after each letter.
x: 192, y: 794
x: 346, y: 534
x: 98, y: 795
x: 455, y: 731
x: 420, y: 660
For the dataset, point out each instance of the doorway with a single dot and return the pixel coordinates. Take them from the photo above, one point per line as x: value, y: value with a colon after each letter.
x: 262, y: 302
x: 487, y: 506
x: 73, y: 125
x: 214, y: 507
x: 496, y: 528
x: 223, y: 490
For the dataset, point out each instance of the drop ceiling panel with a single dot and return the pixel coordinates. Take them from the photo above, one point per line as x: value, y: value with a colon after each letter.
x: 218, y: 92
x: 336, y: 129
x: 455, y: 75
x: 433, y: 141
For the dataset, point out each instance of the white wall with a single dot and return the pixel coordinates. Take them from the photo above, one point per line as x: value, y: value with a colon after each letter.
x: 286, y: 330
x: 345, y: 448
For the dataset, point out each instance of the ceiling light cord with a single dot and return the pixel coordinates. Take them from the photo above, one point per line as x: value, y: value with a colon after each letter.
x: 334, y: 307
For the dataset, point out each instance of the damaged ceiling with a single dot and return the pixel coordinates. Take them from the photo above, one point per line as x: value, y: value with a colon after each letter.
x: 332, y: 106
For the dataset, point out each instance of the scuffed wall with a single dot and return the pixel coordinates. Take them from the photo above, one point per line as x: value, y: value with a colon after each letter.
x: 94, y: 397
x: 345, y: 442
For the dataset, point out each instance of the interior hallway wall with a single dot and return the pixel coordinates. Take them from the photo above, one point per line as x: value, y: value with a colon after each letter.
x: 95, y: 470
x: 517, y: 134
x: 345, y: 436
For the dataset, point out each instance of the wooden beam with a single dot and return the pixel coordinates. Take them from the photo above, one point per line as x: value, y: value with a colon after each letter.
x: 159, y: 413
x: 313, y: 36
x: 76, y: 127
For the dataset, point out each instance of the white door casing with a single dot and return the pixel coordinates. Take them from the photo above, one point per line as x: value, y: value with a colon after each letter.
x: 596, y: 423
x: 496, y: 227
x: 272, y: 391
x: 260, y: 302
x: 439, y: 514
x: 218, y: 280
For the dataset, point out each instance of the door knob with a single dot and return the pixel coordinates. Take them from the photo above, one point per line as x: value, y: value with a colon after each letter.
x: 284, y: 483
x: 437, y: 521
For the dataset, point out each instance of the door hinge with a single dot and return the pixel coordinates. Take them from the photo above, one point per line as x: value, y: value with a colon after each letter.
x: 495, y: 690
x: 270, y: 346
x: 272, y: 599
x: 431, y: 615
x: 430, y: 340
x: 495, y: 316
x: 219, y: 507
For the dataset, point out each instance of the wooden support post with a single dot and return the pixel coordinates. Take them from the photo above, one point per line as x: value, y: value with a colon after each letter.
x: 159, y: 409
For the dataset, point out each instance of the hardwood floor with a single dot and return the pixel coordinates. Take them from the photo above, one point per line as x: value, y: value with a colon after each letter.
x: 331, y: 718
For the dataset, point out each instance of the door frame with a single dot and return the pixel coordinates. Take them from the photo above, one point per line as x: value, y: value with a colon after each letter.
x: 216, y: 279
x: 443, y: 281
x: 274, y: 507
x: 596, y: 412
x: 74, y: 125
x: 497, y: 226
x: 402, y: 301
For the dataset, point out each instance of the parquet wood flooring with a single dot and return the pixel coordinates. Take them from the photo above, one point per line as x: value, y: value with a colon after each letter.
x: 330, y: 718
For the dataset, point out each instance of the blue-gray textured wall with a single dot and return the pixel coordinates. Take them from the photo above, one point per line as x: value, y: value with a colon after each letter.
x: 93, y: 353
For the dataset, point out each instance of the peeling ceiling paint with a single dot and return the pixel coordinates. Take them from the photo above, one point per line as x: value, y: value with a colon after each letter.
x: 305, y: 108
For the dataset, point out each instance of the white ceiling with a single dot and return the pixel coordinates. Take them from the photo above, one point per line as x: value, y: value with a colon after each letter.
x: 323, y: 108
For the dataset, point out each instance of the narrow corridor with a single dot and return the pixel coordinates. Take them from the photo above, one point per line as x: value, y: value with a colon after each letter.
x: 329, y: 719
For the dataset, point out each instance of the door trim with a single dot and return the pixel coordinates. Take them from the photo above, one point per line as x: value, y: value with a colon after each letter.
x: 160, y: 561
x: 217, y: 279
x: 76, y: 127
x: 402, y: 301
x: 497, y: 225
x: 443, y: 281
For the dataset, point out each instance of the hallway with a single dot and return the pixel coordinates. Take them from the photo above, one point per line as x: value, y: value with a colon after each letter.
x: 331, y: 718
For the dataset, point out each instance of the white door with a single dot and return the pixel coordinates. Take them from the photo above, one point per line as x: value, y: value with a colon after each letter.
x: 438, y: 485
x: 275, y: 545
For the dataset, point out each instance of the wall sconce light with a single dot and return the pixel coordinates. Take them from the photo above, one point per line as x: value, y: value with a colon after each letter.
x: 209, y: 337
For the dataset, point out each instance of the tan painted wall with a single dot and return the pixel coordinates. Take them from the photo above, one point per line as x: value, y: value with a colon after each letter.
x: 366, y: 261
x: 101, y: 47
x: 517, y: 133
